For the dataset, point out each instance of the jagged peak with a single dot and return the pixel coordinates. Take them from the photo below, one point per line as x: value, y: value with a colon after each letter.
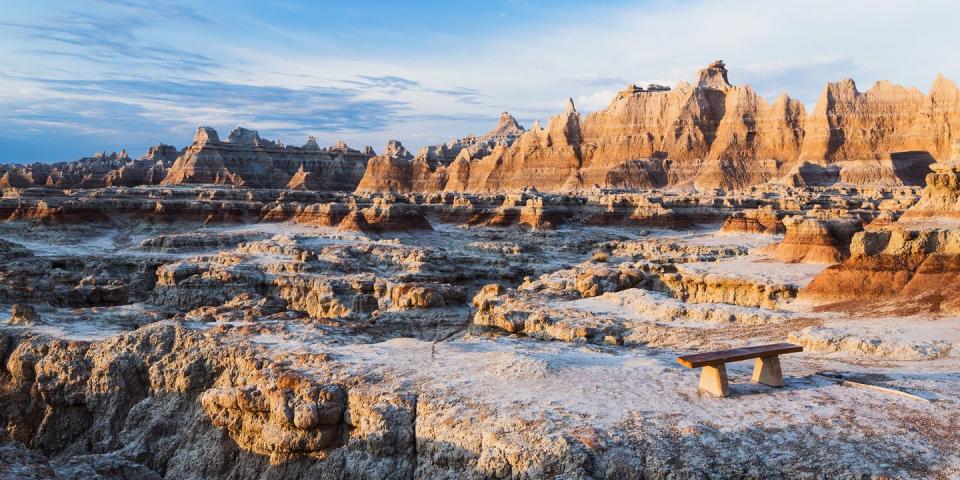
x: 845, y: 89
x: 843, y: 85
x: 570, y: 106
x: 244, y: 136
x: 396, y: 149
x: 205, y: 134
x: 340, y: 146
x: 311, y: 143
x: 884, y: 86
x: 942, y: 84
x: 714, y: 76
x: 507, y: 123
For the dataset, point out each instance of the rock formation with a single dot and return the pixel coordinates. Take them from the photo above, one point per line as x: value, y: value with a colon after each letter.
x: 762, y: 220
x: 910, y: 265
x: 438, y: 167
x: 248, y: 160
x: 815, y: 240
x: 712, y: 134
x: 941, y: 196
x: 917, y: 269
x: 390, y: 171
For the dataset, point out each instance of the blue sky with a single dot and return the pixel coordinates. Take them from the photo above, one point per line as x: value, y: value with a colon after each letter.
x: 86, y: 75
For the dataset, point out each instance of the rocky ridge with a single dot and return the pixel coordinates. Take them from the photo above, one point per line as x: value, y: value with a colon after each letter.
x: 712, y: 134
x: 707, y: 134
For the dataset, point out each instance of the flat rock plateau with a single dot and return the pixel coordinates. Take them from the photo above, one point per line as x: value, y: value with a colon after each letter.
x: 508, y: 305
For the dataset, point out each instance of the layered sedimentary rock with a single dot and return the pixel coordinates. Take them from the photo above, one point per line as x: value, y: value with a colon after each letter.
x: 762, y: 220
x: 713, y: 134
x: 101, y: 170
x: 941, y: 196
x: 390, y: 171
x: 248, y: 160
x: 912, y: 264
x: 542, y: 157
x: 227, y: 332
x: 815, y: 240
x: 707, y: 134
x: 438, y: 167
x: 919, y: 269
x: 473, y: 146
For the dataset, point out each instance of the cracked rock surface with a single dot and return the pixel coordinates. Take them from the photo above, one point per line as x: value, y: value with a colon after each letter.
x: 230, y: 332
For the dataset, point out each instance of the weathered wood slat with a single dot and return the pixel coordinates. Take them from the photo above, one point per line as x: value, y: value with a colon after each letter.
x: 698, y: 360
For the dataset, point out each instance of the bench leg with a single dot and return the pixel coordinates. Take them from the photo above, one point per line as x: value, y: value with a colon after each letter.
x: 766, y: 370
x: 713, y: 380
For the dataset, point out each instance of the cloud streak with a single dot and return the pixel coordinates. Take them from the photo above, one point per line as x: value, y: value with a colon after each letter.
x: 108, y: 40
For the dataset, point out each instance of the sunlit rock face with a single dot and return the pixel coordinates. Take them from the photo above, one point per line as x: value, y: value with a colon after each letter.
x: 911, y: 264
x: 704, y: 135
x: 390, y: 171
x: 438, y: 167
x: 941, y: 197
x: 710, y: 134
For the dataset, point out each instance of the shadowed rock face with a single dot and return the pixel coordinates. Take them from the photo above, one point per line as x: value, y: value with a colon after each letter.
x: 101, y: 170
x: 248, y: 160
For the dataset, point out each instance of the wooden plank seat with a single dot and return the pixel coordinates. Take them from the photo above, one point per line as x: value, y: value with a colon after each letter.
x: 766, y: 369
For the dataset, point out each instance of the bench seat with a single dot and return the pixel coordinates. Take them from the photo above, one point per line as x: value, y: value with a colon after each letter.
x: 713, y: 377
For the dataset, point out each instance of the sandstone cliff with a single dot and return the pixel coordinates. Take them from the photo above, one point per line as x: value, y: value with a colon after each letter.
x: 712, y: 134
x: 390, y: 171
x: 437, y: 167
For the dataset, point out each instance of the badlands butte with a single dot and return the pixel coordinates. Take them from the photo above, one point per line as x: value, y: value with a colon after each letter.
x: 509, y: 305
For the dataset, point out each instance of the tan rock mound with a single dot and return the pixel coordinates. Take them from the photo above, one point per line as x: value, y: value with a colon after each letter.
x: 391, y: 171
x: 354, y: 221
x: 814, y: 240
x: 322, y: 215
x: 760, y: 220
x: 918, y: 268
x: 941, y: 197
x: 391, y: 217
x: 304, y: 180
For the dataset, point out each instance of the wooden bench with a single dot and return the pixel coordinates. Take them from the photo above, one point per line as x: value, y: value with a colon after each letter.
x: 766, y: 370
